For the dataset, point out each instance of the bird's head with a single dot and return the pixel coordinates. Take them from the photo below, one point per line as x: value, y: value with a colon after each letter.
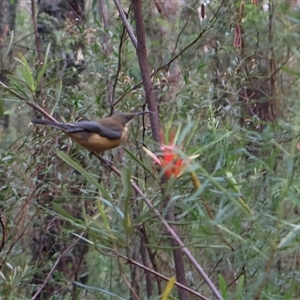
x: 126, y: 118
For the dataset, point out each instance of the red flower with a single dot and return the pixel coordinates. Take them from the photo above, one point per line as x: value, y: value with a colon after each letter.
x: 169, y: 159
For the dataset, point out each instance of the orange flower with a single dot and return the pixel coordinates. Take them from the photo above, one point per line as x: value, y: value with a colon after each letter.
x: 169, y: 159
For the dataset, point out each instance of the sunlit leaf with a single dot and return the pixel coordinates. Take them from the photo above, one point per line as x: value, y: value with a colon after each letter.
x: 168, y: 289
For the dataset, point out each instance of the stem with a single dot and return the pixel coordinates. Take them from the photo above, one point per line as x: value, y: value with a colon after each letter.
x: 131, y: 261
x: 184, y: 249
x: 36, y: 33
x: 145, y: 72
x: 126, y: 23
x: 107, y: 50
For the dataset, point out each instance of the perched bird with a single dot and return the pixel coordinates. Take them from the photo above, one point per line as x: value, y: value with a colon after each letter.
x: 99, y: 135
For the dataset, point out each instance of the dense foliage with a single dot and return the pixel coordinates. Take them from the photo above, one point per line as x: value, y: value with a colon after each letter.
x: 225, y: 81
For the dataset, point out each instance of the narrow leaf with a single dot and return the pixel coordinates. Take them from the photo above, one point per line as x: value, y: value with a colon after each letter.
x: 222, y: 286
x: 92, y: 179
x: 126, y: 177
x: 168, y: 289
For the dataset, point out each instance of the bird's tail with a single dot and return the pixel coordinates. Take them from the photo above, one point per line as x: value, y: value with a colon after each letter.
x: 50, y: 123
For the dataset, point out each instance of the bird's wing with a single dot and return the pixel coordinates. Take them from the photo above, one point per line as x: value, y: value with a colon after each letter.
x: 109, y: 132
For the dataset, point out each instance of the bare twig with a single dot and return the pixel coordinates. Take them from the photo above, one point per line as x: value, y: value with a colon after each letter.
x: 178, y: 241
x: 31, y: 104
x: 178, y: 256
x: 151, y: 256
x: 3, y: 234
x: 145, y: 72
x: 178, y: 38
x: 126, y: 23
x: 149, y: 270
x: 106, y: 46
x: 215, y: 18
x: 104, y: 15
x: 42, y: 111
x: 21, y: 230
x: 36, y: 33
x: 35, y: 296
x: 166, y: 65
x: 143, y: 251
x: 118, y: 69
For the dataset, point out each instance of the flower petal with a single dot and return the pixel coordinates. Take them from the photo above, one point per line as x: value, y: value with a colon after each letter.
x: 151, y: 154
x: 193, y: 156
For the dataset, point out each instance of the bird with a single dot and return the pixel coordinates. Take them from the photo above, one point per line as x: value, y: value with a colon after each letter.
x: 99, y: 135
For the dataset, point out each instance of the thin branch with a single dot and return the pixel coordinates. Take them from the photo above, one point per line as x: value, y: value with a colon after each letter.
x: 31, y: 104
x: 35, y: 296
x: 143, y: 251
x: 118, y: 69
x: 178, y: 256
x: 42, y: 111
x: 193, y: 42
x: 131, y: 261
x: 151, y: 256
x: 184, y: 249
x: 178, y: 38
x: 36, y: 33
x: 144, y: 67
x: 126, y: 23
x: 17, y: 237
x: 178, y: 55
x: 3, y: 234
x: 129, y: 91
x: 104, y: 15
x: 106, y: 46
x: 131, y: 288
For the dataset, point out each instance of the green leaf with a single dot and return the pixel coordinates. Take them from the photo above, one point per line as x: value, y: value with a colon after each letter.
x: 134, y: 157
x: 63, y: 213
x: 239, y: 287
x: 92, y: 179
x: 21, y: 90
x: 41, y: 72
x: 212, y: 143
x: 12, y: 35
x: 105, y: 292
x: 126, y: 179
x: 222, y: 286
x: 241, y: 239
x: 191, y: 135
x: 103, y: 214
x: 27, y: 74
x: 187, y: 131
x: 289, y: 237
x: 290, y: 71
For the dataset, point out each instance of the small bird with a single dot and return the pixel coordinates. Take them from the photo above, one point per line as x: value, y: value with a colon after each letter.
x: 99, y: 135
